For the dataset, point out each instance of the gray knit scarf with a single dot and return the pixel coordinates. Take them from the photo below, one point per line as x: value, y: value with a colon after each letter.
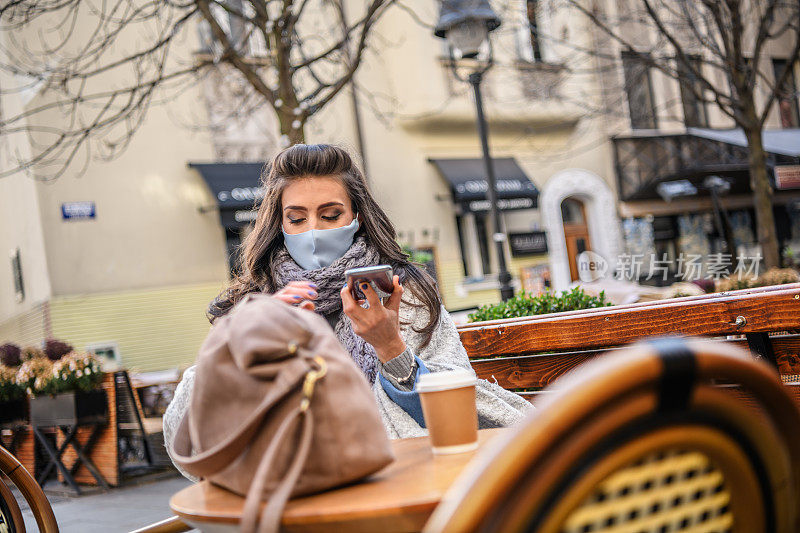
x: 329, y: 281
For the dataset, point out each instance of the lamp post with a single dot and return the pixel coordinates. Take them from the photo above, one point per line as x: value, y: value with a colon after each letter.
x: 717, y: 186
x: 466, y: 24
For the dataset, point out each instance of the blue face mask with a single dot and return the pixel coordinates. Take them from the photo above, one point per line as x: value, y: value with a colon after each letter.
x: 318, y: 248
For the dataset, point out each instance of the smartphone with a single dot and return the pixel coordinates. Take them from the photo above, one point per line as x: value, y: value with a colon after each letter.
x: 380, y: 277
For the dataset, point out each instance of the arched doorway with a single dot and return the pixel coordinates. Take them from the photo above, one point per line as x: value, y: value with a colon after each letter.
x: 599, y: 214
x: 576, y: 232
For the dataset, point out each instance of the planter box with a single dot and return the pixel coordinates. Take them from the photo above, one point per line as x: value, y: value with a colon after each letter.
x: 105, y: 451
x: 14, y: 411
x: 69, y: 408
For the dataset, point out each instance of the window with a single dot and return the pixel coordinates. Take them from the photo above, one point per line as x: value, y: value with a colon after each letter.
x: 105, y: 351
x: 474, y: 242
x: 16, y: 272
x: 236, y: 24
x: 787, y: 96
x: 462, y: 244
x: 529, y: 41
x: 483, y: 242
x: 233, y: 242
x: 694, y: 109
x: 639, y: 91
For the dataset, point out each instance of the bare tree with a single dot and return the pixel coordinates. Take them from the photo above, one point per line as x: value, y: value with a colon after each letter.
x: 292, y: 55
x: 717, y: 50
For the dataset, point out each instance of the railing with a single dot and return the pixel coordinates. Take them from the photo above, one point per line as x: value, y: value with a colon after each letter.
x: 643, y: 161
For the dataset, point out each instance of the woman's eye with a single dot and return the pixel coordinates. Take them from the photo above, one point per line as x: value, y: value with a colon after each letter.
x: 295, y: 220
x: 332, y: 218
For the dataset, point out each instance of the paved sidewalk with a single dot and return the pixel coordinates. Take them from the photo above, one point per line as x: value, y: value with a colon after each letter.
x: 116, y: 510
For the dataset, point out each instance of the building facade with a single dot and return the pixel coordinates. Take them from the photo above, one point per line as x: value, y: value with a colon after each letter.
x: 124, y: 257
x: 681, y: 165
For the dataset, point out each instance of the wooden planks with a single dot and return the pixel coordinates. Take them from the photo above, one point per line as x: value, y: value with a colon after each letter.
x: 534, y: 371
x: 531, y: 370
x: 764, y: 311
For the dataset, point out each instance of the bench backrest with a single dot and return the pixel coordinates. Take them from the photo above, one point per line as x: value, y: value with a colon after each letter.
x: 531, y: 352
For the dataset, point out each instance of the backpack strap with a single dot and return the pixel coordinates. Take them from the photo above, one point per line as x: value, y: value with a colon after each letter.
x: 270, y: 518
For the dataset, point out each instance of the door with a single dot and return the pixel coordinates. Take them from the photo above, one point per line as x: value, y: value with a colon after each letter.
x: 576, y: 233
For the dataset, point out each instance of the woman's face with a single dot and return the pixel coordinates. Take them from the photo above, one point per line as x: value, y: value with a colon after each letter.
x: 315, y: 203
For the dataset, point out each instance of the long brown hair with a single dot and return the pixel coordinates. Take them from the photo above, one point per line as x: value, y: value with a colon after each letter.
x: 263, y: 243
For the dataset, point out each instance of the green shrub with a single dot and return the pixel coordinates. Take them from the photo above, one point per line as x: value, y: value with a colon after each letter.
x: 525, y: 304
x: 417, y: 256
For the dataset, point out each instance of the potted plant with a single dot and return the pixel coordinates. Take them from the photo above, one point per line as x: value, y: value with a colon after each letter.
x: 65, y: 392
x: 12, y: 394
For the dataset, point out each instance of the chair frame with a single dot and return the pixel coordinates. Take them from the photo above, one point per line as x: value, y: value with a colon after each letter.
x: 616, y: 392
x: 31, y: 491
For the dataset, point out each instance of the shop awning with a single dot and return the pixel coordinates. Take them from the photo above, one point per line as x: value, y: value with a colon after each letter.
x: 237, y: 188
x: 467, y: 178
x: 648, y: 162
x: 784, y: 142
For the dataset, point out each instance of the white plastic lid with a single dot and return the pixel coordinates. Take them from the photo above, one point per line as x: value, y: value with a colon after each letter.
x: 450, y: 379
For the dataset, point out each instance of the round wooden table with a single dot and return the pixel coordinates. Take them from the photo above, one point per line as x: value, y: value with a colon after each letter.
x: 399, y: 498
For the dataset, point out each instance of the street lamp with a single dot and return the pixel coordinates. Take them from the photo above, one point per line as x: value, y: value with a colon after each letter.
x: 466, y: 24
x: 716, y: 186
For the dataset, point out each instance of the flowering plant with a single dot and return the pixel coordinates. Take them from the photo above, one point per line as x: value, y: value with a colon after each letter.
x: 10, y: 389
x: 31, y: 352
x: 56, y: 349
x: 10, y: 354
x: 36, y: 376
x: 77, y: 372
x: 73, y: 372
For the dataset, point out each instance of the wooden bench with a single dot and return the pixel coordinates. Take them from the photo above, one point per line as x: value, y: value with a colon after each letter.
x: 528, y: 353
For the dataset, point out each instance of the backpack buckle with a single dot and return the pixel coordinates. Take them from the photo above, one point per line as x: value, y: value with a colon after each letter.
x: 311, y: 380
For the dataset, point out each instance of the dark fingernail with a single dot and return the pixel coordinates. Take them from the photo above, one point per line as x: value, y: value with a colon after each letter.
x: 312, y: 293
x: 296, y: 297
x: 364, y: 286
x: 314, y: 285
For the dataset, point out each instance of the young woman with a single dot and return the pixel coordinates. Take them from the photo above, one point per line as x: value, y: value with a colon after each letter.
x: 317, y: 220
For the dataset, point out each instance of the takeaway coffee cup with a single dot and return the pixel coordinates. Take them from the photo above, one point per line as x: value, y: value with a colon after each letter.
x: 448, y: 404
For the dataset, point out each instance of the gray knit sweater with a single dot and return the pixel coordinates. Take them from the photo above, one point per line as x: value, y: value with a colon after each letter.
x: 497, y: 407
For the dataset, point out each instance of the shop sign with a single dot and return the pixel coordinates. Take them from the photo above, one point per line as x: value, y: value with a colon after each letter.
x: 77, y: 210
x: 245, y: 216
x: 241, y: 194
x: 237, y: 218
x: 503, y: 204
x: 530, y: 243
x: 787, y: 177
x: 481, y: 186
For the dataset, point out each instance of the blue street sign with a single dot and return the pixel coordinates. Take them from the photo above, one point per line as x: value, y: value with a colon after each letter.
x: 77, y: 210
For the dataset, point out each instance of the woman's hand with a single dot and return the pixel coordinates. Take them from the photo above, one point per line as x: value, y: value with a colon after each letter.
x: 380, y: 324
x: 300, y: 293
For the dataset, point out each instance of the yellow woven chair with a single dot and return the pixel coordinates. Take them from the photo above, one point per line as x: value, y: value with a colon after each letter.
x: 10, y: 513
x: 664, y: 436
